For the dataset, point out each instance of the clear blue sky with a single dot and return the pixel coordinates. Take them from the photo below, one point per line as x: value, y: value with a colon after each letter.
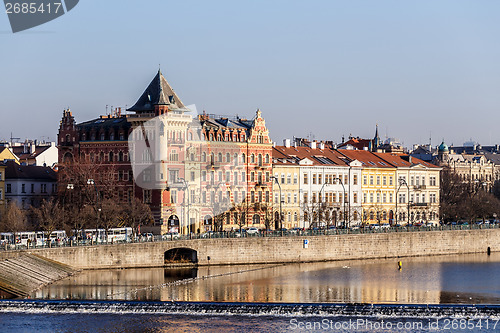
x: 330, y: 68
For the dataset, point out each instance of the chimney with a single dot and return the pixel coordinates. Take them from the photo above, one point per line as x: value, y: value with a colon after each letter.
x: 313, y: 144
x: 286, y: 143
x: 32, y: 148
x: 321, y: 145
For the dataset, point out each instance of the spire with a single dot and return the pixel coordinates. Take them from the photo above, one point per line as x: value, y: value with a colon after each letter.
x: 376, y: 139
x: 158, y: 92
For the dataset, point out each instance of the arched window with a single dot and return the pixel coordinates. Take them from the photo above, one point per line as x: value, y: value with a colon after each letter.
x: 256, y: 219
x: 111, y: 156
x: 112, y: 136
x: 252, y: 158
x: 243, y: 159
x: 120, y: 156
x: 204, y: 157
x: 260, y: 159
x: 295, y: 218
x: 228, y: 158
x: 220, y: 157
x: 101, y: 156
x: 267, y: 158
x: 212, y: 158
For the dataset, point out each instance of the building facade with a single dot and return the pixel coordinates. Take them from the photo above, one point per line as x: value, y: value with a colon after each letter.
x: 203, y: 173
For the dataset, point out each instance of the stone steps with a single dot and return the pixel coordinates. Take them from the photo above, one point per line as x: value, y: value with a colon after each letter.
x: 23, y: 275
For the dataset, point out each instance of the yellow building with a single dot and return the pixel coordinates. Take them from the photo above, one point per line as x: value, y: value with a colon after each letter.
x: 378, y: 187
x: 7, y: 154
x: 287, y: 178
x: 2, y: 190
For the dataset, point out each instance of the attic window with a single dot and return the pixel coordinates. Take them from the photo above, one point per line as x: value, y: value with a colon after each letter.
x: 370, y: 162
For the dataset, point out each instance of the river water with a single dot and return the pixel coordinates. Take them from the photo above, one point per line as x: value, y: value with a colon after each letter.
x: 439, y: 293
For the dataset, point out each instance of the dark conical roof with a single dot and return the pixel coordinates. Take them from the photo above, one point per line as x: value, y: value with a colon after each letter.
x: 159, y: 92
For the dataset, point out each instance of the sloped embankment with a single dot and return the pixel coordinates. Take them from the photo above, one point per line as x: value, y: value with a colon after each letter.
x: 23, y: 275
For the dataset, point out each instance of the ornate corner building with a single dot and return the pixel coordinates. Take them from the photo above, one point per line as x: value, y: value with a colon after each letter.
x: 219, y: 169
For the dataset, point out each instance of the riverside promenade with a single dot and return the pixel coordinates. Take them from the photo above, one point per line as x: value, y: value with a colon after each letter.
x: 227, y: 249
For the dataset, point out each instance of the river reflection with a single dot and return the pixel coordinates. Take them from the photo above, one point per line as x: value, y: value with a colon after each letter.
x: 469, y: 279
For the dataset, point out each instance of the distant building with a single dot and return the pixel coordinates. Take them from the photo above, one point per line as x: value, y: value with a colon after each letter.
x: 28, y: 185
x: 391, y: 145
x: 35, y: 153
x: 474, y: 167
x: 6, y: 154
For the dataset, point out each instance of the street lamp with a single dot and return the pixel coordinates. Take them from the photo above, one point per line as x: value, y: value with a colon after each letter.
x: 98, y: 210
x: 401, y: 183
x: 186, y: 193
x: 343, y: 195
x: 279, y: 186
x: 319, y: 203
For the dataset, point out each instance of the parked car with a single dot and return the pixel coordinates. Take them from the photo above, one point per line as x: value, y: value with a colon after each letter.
x: 171, y: 236
x: 252, y: 231
x: 375, y: 226
x: 385, y: 226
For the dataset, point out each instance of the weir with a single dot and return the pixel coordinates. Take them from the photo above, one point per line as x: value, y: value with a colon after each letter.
x: 20, y: 276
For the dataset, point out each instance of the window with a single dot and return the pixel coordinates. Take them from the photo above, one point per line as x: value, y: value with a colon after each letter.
x: 252, y: 158
x: 235, y: 178
x: 174, y: 156
x: 423, y: 197
x: 228, y: 176
x: 282, y: 178
x: 252, y: 196
x: 320, y: 178
x: 390, y: 180
x: 276, y: 198
x: 346, y: 179
x: 192, y: 176
x: 371, y: 197
x: 355, y: 179
x: 378, y: 180
x: 384, y: 197
x: 306, y: 199
x: 355, y: 197
x: 364, y: 198
x: 23, y: 188
x: 417, y: 180
x: 411, y: 181
x: 402, y: 198
x: 267, y: 158
x: 334, y: 197
x: 260, y: 196
x: 43, y: 188
x: 384, y: 180
x: 146, y: 196
x: 289, y: 179
x: 305, y: 179
x: 1, y: 194
x: 378, y: 197
x: 204, y: 176
x: 314, y: 178
x: 295, y: 198
x: 173, y: 196
x: 371, y: 180
x: 267, y: 196
x: 390, y: 197
x: 432, y: 198
x: 289, y: 198
x: 432, y: 181
x: 252, y: 176
x: 228, y: 158
x: 364, y: 181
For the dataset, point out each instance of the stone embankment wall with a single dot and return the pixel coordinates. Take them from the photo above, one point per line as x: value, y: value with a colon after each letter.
x: 278, y: 249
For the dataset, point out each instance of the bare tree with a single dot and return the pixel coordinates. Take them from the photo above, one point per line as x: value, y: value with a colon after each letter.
x: 137, y: 213
x: 50, y: 217
x: 15, y: 219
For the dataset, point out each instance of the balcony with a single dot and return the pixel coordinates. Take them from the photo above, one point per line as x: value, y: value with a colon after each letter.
x: 419, y: 187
